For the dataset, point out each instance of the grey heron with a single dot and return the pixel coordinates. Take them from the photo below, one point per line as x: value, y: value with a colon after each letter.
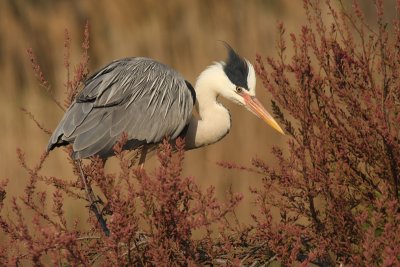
x: 149, y: 101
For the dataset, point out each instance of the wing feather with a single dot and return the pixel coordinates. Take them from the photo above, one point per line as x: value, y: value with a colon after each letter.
x: 93, y: 136
x: 139, y: 96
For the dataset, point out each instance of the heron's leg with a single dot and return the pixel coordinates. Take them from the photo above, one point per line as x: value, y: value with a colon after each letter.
x: 143, y: 154
x: 132, y: 156
x: 93, y: 201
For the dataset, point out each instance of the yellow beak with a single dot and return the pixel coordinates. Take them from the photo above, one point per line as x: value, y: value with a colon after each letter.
x: 258, y: 109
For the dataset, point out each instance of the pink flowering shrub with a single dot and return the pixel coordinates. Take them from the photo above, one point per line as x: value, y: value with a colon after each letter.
x: 151, y: 218
x: 336, y: 184
x: 338, y: 97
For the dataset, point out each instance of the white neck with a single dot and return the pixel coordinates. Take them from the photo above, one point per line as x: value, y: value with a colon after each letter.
x: 214, y: 122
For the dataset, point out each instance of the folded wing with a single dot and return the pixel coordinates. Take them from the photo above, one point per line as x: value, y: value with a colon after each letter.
x: 138, y: 96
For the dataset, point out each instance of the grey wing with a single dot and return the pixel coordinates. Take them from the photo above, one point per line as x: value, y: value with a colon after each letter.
x: 139, y: 96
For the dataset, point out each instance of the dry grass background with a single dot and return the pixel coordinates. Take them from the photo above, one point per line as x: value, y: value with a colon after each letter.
x: 182, y: 34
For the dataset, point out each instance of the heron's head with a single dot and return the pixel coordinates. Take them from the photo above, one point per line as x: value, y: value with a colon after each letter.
x: 235, y: 80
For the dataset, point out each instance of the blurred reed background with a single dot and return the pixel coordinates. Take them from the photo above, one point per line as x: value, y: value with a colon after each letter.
x: 182, y: 34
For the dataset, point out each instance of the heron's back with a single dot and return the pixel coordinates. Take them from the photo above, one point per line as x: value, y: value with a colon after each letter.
x: 139, y: 96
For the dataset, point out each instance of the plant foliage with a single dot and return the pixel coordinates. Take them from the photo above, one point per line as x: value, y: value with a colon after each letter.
x: 336, y: 184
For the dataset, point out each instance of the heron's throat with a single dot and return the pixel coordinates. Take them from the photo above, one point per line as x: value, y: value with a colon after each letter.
x: 214, y: 122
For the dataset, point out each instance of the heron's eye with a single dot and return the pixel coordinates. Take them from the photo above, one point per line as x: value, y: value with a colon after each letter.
x: 239, y: 90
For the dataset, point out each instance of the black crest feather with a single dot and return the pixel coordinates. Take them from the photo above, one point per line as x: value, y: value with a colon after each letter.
x: 236, y: 68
